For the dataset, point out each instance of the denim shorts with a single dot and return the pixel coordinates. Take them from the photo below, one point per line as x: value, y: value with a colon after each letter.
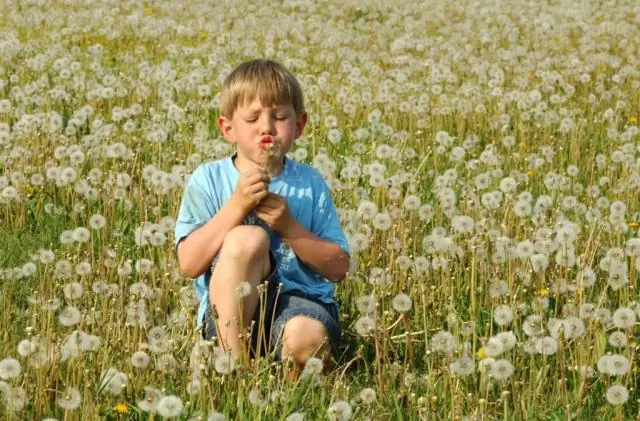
x: 274, y: 310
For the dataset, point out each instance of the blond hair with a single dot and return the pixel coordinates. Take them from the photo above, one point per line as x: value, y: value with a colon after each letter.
x: 264, y: 79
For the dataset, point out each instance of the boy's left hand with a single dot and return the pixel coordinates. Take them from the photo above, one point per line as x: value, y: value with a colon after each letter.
x: 274, y: 211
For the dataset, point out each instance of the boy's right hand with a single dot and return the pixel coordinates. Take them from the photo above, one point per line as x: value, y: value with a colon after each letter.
x: 252, y: 187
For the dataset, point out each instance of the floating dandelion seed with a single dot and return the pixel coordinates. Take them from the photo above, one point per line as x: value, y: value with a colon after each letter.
x: 242, y: 290
x: 271, y: 157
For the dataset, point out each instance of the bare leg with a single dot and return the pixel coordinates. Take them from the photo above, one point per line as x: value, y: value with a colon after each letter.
x: 244, y: 256
x: 303, y: 338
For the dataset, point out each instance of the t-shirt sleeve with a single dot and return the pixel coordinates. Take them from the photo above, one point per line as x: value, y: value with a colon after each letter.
x: 198, y: 204
x: 325, y: 221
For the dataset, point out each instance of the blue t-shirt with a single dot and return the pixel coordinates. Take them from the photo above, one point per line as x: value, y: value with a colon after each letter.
x: 309, y: 201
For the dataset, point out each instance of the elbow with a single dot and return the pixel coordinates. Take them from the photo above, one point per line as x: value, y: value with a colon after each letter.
x: 186, y: 265
x: 187, y: 270
x: 338, y: 277
x: 341, y: 268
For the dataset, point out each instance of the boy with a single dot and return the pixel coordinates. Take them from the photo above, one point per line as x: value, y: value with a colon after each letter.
x: 258, y: 217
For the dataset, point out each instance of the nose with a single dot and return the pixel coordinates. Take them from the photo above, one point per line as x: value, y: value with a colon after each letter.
x: 267, y: 126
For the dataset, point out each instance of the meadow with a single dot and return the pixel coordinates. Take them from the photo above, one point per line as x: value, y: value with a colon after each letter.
x: 484, y: 158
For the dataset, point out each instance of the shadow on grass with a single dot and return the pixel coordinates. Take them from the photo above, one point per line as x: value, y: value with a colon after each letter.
x: 16, y: 247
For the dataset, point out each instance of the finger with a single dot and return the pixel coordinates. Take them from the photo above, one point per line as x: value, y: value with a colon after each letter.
x: 256, y: 176
x: 269, y: 202
x: 261, y: 195
x: 257, y: 188
x: 264, y: 216
x: 253, y: 171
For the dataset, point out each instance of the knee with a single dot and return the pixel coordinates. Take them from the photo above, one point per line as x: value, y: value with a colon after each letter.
x: 303, y: 338
x: 246, y: 242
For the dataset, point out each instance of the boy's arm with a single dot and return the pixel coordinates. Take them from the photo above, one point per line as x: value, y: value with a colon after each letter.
x: 197, y: 250
x: 325, y: 257
x: 200, y: 229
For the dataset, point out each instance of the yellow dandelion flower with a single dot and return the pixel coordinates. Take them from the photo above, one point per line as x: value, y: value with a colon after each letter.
x: 481, y: 354
x: 531, y: 173
x: 121, y: 408
x: 632, y: 224
x: 542, y: 292
x: 633, y: 120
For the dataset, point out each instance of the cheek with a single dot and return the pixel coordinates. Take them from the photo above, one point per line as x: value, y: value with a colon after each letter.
x: 288, y: 127
x: 244, y: 130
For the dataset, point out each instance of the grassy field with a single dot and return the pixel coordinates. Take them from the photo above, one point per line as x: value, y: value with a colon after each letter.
x: 484, y: 157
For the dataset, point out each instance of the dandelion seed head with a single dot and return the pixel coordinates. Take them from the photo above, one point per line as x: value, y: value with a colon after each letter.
x: 501, y: 370
x: 365, y: 325
x: 69, y: 399
x: 462, y: 366
x: 617, y: 394
x: 10, y: 368
x: 340, y: 411
x: 170, y: 406
x: 225, y: 364
x: 312, y: 367
x: 401, y: 303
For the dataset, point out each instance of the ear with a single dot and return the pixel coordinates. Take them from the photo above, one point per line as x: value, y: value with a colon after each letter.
x: 301, y: 122
x: 224, y: 124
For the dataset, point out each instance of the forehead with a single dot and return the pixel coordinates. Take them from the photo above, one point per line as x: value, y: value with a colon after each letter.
x: 258, y: 104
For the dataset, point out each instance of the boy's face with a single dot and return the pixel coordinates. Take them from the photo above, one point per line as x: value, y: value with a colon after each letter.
x: 256, y: 126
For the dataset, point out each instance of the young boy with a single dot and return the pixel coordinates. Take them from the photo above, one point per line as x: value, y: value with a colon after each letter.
x: 258, y: 217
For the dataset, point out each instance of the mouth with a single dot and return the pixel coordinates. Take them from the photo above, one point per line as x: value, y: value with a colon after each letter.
x: 266, y: 142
